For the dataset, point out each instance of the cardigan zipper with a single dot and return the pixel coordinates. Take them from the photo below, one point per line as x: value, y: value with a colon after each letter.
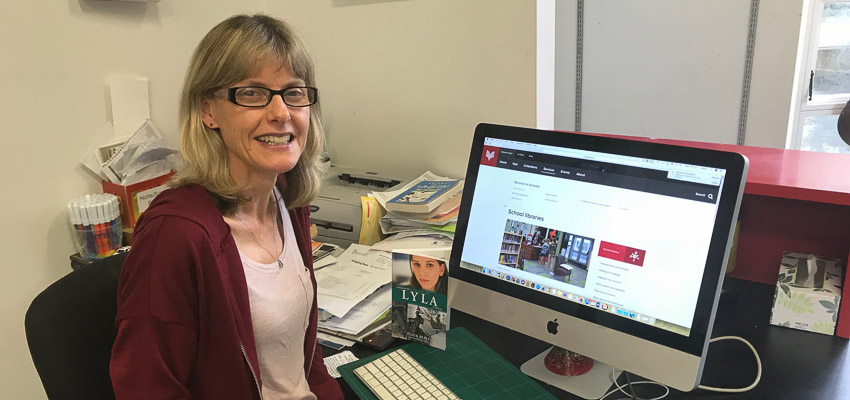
x: 254, y: 375
x: 312, y: 355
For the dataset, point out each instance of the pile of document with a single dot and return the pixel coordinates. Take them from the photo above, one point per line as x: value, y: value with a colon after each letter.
x: 143, y: 155
x: 443, y: 217
x: 354, y: 293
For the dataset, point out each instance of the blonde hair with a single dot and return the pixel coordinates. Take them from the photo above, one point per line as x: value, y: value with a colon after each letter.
x: 229, y: 53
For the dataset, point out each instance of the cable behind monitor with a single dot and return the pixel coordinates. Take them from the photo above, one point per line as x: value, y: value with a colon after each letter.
x: 631, y: 384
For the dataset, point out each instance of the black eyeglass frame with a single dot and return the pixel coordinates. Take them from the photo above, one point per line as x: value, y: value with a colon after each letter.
x: 312, y: 93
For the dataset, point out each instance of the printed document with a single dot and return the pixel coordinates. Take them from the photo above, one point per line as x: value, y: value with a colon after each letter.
x: 359, y: 271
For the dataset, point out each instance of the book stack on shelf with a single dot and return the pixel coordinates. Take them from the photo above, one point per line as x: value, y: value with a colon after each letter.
x: 429, y: 201
x: 511, y: 250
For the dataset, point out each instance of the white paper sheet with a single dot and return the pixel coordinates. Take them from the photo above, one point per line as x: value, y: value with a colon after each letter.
x: 129, y: 103
x: 363, y: 314
x: 334, y: 361
x: 359, y: 271
x: 424, y: 239
x: 324, y: 262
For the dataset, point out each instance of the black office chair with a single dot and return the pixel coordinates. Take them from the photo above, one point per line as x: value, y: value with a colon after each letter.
x: 70, y: 329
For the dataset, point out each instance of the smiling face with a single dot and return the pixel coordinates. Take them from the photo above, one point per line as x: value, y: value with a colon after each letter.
x: 427, y: 271
x: 260, y: 141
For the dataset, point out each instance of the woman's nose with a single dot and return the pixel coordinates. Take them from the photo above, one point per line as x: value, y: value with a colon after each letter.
x: 278, y: 110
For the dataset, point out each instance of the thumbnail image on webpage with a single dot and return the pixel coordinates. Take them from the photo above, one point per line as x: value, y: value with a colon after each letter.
x: 546, y: 252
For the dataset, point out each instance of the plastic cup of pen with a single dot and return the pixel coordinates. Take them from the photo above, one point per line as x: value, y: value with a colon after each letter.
x: 98, y: 241
x: 96, y: 225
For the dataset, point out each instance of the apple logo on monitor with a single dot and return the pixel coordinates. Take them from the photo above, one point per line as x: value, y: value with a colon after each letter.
x: 552, y: 326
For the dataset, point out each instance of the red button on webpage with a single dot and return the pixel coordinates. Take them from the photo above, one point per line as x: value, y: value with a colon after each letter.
x: 622, y: 253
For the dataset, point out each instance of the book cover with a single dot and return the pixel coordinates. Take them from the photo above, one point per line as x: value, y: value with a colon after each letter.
x: 425, y: 196
x: 419, y: 307
x: 442, y: 214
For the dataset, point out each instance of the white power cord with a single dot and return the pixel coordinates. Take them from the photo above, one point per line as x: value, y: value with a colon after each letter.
x: 708, y: 388
x: 620, y: 387
x: 758, y: 366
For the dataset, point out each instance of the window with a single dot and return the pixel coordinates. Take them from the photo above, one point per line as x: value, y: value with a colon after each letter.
x: 823, y: 78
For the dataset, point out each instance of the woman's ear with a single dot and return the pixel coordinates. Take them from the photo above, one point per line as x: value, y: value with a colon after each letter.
x: 207, y: 115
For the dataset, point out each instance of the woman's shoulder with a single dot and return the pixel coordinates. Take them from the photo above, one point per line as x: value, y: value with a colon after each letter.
x: 188, y: 207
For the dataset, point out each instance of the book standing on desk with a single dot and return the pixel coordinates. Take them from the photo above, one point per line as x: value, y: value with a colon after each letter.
x: 419, y: 304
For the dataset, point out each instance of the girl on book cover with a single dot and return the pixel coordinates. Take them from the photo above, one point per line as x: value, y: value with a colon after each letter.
x: 429, y: 274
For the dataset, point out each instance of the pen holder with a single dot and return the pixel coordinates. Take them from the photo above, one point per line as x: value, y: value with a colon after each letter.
x: 97, y: 241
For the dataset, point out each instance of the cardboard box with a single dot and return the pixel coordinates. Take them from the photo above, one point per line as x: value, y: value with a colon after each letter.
x: 808, y: 293
x: 137, y: 197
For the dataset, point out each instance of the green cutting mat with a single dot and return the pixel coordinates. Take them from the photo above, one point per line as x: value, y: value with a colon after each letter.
x: 468, y: 367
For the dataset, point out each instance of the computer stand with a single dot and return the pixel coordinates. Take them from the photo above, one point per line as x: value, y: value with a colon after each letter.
x: 590, y: 385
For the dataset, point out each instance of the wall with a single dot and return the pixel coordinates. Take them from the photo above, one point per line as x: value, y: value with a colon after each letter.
x: 405, y: 82
x: 403, y: 85
x: 663, y: 68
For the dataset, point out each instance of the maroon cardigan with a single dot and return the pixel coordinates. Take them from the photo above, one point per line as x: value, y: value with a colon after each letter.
x: 184, y: 320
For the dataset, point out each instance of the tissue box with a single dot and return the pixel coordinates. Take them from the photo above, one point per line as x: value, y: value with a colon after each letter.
x: 137, y: 197
x: 808, y: 292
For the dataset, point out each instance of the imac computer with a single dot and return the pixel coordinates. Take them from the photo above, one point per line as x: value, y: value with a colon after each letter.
x: 611, y: 248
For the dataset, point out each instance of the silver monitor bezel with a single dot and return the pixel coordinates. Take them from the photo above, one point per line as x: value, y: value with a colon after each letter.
x: 645, y: 350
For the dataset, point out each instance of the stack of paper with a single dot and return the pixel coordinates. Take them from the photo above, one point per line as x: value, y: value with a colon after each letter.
x: 431, y: 201
x: 142, y: 156
x: 354, y: 292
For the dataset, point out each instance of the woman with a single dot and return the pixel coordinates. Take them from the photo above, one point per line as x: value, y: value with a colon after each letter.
x: 217, y: 299
x: 428, y: 274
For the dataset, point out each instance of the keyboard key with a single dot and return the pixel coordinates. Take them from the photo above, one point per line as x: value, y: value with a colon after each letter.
x: 381, y: 393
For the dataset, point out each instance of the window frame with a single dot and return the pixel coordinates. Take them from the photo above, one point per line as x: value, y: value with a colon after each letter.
x: 821, y: 105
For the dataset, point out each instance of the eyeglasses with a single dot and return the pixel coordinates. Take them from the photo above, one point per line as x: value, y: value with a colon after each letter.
x: 258, y: 96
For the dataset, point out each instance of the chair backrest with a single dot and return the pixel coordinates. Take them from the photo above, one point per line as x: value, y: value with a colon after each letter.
x: 70, y: 328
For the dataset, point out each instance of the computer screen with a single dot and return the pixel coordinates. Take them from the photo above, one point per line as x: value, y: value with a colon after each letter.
x: 624, y: 241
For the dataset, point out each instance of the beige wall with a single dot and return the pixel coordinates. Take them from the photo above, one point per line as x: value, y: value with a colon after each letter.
x: 403, y: 84
x: 665, y: 68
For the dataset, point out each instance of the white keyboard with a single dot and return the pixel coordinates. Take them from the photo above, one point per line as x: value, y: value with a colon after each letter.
x: 396, y: 375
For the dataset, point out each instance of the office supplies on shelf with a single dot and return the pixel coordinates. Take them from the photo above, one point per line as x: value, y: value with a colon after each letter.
x: 96, y: 224
x: 396, y: 375
x: 808, y: 293
x: 468, y: 367
x: 337, y: 210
